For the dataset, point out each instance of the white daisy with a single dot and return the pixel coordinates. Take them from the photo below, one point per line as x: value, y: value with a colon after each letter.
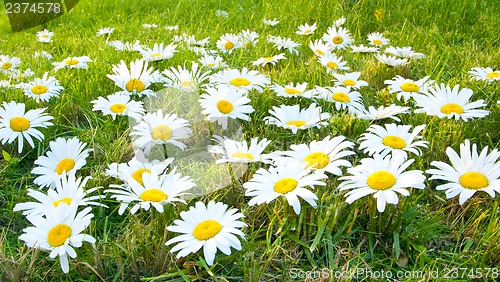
x: 272, y: 22
x: 404, y: 52
x: 469, y: 172
x: 485, y: 74
x: 405, y: 88
x: 327, y: 155
x: 44, y: 36
x: 291, y: 90
x: 69, y: 190
x: 42, y: 54
x: 221, y: 13
x: 149, y: 26
x: 8, y: 64
x: 105, y: 30
x: 137, y: 79
x: 209, y: 227
x: 284, y: 43
x: 127, y: 46
x: 349, y: 80
x: 213, y: 62
x: 244, y: 79
x: 444, y: 102
x: 158, y: 129
x: 383, y: 112
x: 377, y: 39
x: 287, y: 179
x: 119, y: 104
x: 156, y: 190
x: 59, y: 232
x: 344, y: 98
x: 391, y: 60
x: 223, y: 102
x: 232, y: 151
x: 363, y: 49
x: 248, y: 38
x: 269, y: 60
x: 159, y: 52
x: 42, y: 89
x: 333, y: 63
x: 171, y: 27
x: 306, y: 29
x: 136, y: 167
x: 293, y: 118
x: 340, y: 21
x: 73, y: 63
x: 394, y: 139
x: 16, y: 123
x: 382, y: 177
x: 321, y: 48
x: 185, y: 79
x: 65, y: 155
x: 339, y: 37
x: 228, y: 43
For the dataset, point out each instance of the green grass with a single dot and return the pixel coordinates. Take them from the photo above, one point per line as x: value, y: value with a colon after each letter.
x: 424, y: 232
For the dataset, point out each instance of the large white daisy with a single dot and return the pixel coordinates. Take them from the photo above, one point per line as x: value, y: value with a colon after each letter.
x: 349, y: 80
x: 159, y: 52
x: 293, y: 90
x: 185, y: 79
x: 383, y: 112
x: 485, y: 74
x: 8, y: 64
x: 137, y: 79
x: 244, y: 79
x: 119, y: 104
x: 42, y: 89
x: 228, y: 43
x: 136, y: 167
x: 233, y: 151
x: 73, y: 63
x: 293, y: 118
x: 405, y: 88
x: 338, y: 36
x: 344, y: 98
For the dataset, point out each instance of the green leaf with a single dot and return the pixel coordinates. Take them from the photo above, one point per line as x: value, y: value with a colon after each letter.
x: 6, y: 155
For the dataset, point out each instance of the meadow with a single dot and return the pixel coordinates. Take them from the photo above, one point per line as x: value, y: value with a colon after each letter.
x: 424, y: 232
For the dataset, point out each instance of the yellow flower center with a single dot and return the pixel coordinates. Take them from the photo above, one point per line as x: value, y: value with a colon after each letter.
x: 71, y: 62
x: 58, y: 235
x: 39, y: 89
x: 381, y: 180
x: 188, y: 83
x: 452, y: 108
x: 228, y: 45
x: 332, y: 65
x: 45, y: 36
x: 210, y: 65
x: 341, y: 97
x: 137, y: 175
x: 394, y: 142
x: 268, y: 59
x: 206, y: 229
x: 292, y: 91
x: 308, y: 31
x: 135, y: 84
x: 317, y: 160
x: 157, y: 55
x: 118, y: 108
x: 349, y: 82
x: 473, y: 180
x: 320, y: 52
x: 242, y: 155
x: 67, y: 201
x: 6, y: 65
x: 153, y: 195
x: 162, y: 132
x: 285, y: 185
x: 248, y: 45
x: 410, y: 87
x: 65, y: 165
x: 337, y: 39
x: 224, y: 106
x: 377, y: 42
x: 239, y: 81
x: 297, y: 123
x: 19, y: 124
x: 493, y: 74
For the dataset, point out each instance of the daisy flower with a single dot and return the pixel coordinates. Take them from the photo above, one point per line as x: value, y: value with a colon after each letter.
x: 69, y: 190
x: 228, y: 43
x: 171, y: 27
x: 149, y: 26
x: 321, y: 48
x: 105, y: 30
x: 222, y: 103
x: 284, y: 43
x: 485, y: 74
x: 119, y: 104
x: 244, y: 79
x: 287, y: 179
x: 42, y: 89
x: 382, y: 177
x: 306, y: 29
x: 404, y: 52
x: 136, y: 167
x: 468, y: 173
x: 343, y: 97
x: 383, y: 112
x: 232, y: 151
x: 269, y: 60
x: 349, y: 80
x: 16, y: 123
x: 394, y: 139
x: 127, y: 46
x: 158, y: 129
x: 137, y: 79
x: 363, y: 49
x: 210, y: 227
x: 248, y: 38
x: 377, y: 39
x: 272, y: 22
x: 221, y: 13
x: 391, y: 60
x: 213, y: 62
x: 291, y: 90
x: 333, y: 63
x: 42, y: 54
x: 339, y: 37
x: 339, y: 22
x: 59, y: 232
x: 158, y: 52
x: 327, y: 155
x: 73, y: 63
x: 405, y: 88
x: 293, y: 118
x: 156, y: 190
x: 8, y: 64
x: 185, y: 79
x: 44, y: 36
x: 65, y: 155
x: 444, y: 102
